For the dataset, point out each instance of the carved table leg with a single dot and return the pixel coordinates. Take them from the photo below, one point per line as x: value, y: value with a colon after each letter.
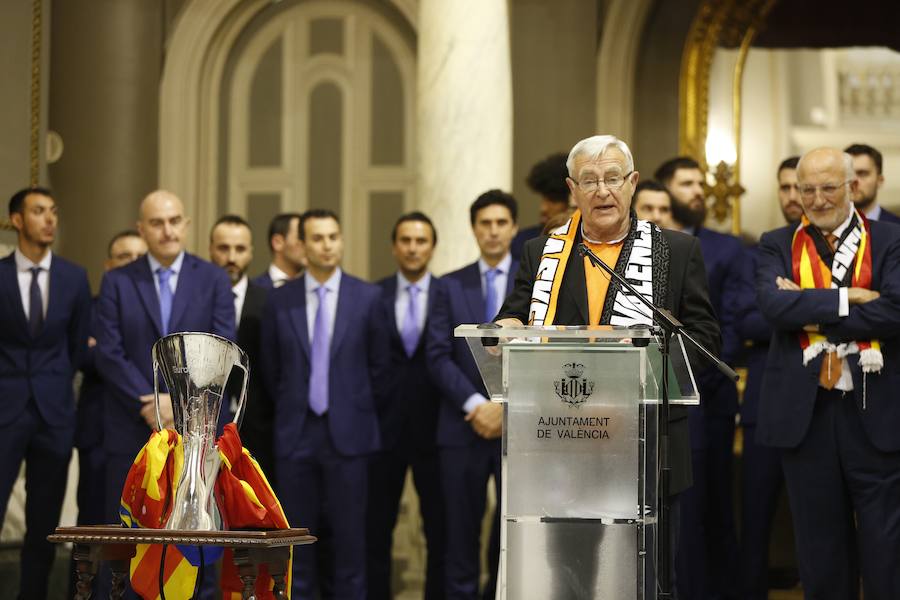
x: 247, y: 572
x: 119, y: 577
x: 85, y: 570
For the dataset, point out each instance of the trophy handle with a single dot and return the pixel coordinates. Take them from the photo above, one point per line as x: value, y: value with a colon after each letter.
x: 242, y: 403
x: 159, y: 426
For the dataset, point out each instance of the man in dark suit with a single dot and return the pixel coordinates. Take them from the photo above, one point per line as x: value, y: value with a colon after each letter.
x: 45, y: 305
x: 761, y: 475
x: 287, y: 252
x: 166, y: 291
x: 831, y: 290
x: 602, y: 180
x: 547, y: 179
x: 231, y: 247
x: 708, y: 552
x: 409, y: 419
x: 326, y: 366
x: 867, y: 164
x: 469, y: 425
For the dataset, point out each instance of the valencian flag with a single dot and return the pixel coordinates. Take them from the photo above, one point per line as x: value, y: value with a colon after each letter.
x: 244, y: 498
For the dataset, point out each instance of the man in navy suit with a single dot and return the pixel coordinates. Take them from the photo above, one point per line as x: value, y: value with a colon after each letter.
x: 469, y: 425
x: 45, y: 305
x: 707, y: 554
x: 829, y: 394
x: 166, y: 291
x: 326, y: 366
x: 761, y: 475
x: 867, y: 164
x: 409, y: 419
x: 547, y: 179
x: 287, y: 252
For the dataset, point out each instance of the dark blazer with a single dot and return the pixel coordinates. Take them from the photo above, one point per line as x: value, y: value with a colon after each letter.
x: 688, y: 300
x: 789, y: 389
x: 413, y: 399
x: 128, y: 324
x: 753, y: 327
x: 358, y: 368
x: 263, y: 280
x: 43, y: 366
x: 460, y: 299
x: 89, y: 429
x: 887, y: 216
x: 518, y: 243
x: 722, y: 256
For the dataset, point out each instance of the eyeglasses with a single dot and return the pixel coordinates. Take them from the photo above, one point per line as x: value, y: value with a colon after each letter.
x: 610, y: 182
x: 829, y: 190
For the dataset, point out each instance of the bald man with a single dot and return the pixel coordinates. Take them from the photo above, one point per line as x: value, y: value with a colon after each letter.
x: 165, y: 291
x: 830, y: 288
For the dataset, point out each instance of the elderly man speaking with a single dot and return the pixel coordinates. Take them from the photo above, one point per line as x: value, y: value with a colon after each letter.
x: 602, y: 179
x: 830, y: 287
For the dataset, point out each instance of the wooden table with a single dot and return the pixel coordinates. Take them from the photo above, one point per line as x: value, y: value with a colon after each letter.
x: 115, y: 545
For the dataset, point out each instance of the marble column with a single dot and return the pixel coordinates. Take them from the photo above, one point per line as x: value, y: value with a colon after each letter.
x: 464, y: 116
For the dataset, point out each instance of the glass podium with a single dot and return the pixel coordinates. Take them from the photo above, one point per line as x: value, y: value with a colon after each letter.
x: 580, y: 467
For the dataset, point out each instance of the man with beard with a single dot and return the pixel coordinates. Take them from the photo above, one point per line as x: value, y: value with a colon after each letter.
x: 867, y: 164
x: 231, y: 247
x: 831, y: 290
x: 707, y: 554
x: 45, y: 306
x: 761, y: 474
x: 602, y: 179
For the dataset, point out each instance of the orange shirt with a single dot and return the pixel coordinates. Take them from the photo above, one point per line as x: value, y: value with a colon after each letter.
x: 597, y: 280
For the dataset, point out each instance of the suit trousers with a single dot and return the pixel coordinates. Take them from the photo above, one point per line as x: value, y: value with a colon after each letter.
x: 46, y: 451
x: 387, y: 474
x: 761, y: 484
x: 316, y: 478
x: 834, y: 474
x: 465, y: 472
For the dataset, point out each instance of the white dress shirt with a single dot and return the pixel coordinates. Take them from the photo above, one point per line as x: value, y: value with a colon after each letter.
x: 500, y: 290
x: 333, y: 284
x: 401, y: 304
x: 240, y: 294
x: 175, y: 267
x: 874, y: 213
x: 845, y: 382
x: 278, y: 277
x: 23, y: 271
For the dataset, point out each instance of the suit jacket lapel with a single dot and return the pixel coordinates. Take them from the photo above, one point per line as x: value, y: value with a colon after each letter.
x: 184, y: 291
x: 143, y: 280
x: 298, y: 316
x: 56, y: 289
x: 390, y: 301
x: 10, y: 281
x: 473, y: 292
x: 344, y: 307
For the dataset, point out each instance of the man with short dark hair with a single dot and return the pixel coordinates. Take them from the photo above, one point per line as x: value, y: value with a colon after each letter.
x: 707, y: 526
x: 653, y: 203
x: 830, y: 287
x: 327, y: 357
x: 287, y: 252
x: 788, y: 190
x: 470, y: 426
x: 547, y: 179
x: 867, y: 163
x: 45, y: 305
x: 231, y: 247
x: 409, y: 419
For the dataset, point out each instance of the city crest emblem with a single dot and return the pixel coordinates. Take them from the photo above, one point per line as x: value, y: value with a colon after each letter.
x: 573, y: 389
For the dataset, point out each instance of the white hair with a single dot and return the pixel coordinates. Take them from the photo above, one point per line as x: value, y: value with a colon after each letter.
x: 849, y: 171
x: 594, y: 147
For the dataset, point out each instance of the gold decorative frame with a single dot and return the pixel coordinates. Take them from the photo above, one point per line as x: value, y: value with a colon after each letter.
x: 718, y: 23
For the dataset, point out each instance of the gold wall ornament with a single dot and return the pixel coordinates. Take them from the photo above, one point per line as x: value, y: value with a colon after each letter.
x: 725, y: 192
x: 717, y: 24
x: 36, y: 39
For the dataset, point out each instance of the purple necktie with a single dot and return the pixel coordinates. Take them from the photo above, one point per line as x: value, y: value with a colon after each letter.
x: 490, y: 295
x: 35, y: 304
x: 165, y: 298
x: 410, y: 331
x: 321, y: 345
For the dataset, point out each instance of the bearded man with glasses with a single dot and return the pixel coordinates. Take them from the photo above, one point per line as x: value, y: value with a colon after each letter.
x: 830, y: 287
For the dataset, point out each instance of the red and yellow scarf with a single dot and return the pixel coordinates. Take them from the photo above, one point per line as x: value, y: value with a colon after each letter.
x: 854, y: 254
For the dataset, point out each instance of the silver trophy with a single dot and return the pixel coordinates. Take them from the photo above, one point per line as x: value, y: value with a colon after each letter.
x: 195, y: 368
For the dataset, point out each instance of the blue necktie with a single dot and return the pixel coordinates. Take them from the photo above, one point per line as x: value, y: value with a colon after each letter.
x: 35, y: 304
x: 320, y: 359
x: 165, y: 298
x: 490, y: 295
x: 410, y: 332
